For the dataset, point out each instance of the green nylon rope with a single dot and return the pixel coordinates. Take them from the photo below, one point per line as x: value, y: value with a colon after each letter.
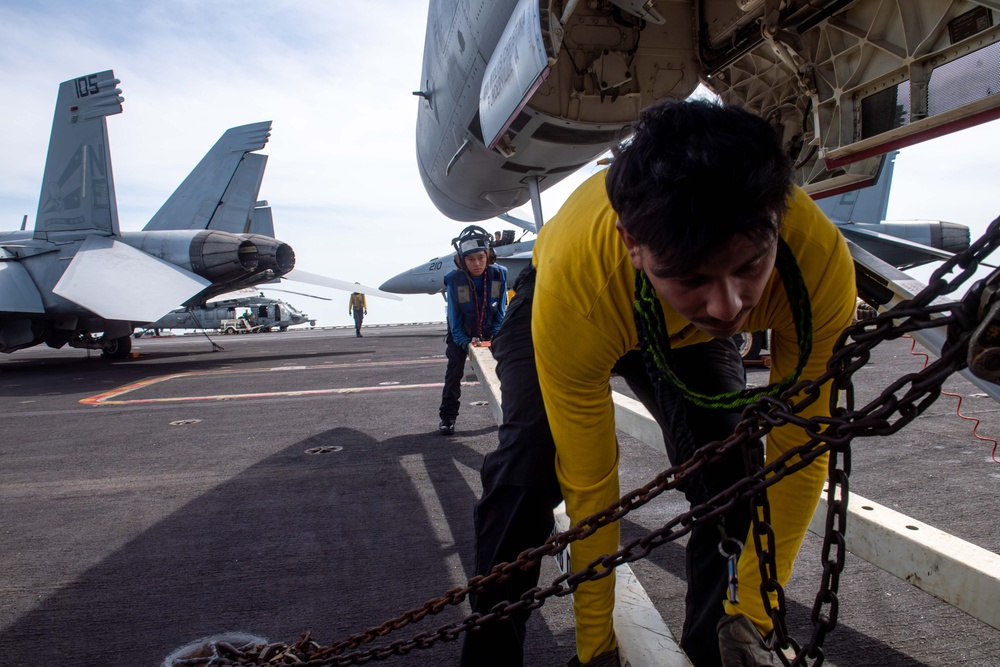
x: 655, y: 340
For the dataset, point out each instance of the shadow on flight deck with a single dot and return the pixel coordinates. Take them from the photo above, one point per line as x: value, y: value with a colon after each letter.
x: 330, y: 543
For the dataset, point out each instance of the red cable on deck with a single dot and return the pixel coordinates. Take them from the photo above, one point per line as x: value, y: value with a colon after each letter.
x: 958, y: 408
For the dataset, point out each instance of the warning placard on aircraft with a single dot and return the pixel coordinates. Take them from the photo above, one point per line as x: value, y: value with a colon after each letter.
x: 518, y: 65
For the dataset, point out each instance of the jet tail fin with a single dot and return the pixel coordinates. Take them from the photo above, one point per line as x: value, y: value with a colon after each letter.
x: 235, y: 212
x: 866, y: 204
x: 261, y: 221
x: 78, y: 190
x: 221, y: 190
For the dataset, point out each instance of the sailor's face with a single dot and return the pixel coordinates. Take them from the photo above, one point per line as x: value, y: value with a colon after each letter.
x: 718, y: 294
x: 476, y: 263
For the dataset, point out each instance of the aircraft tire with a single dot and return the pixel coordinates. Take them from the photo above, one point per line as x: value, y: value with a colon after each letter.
x: 750, y: 344
x: 282, y: 329
x: 117, y: 348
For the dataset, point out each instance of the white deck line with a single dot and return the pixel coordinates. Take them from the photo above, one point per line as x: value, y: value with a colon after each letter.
x: 958, y: 572
x: 644, y: 640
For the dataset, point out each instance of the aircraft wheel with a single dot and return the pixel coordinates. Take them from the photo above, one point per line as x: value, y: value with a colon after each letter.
x: 750, y: 344
x: 282, y: 329
x: 117, y: 348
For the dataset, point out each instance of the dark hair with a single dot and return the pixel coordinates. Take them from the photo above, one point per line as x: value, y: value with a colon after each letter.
x: 696, y: 173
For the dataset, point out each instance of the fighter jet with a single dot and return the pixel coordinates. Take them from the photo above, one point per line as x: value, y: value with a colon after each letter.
x: 517, y: 94
x: 428, y: 278
x: 77, y: 279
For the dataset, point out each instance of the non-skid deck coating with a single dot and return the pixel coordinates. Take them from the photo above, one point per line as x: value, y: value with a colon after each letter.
x: 296, y: 482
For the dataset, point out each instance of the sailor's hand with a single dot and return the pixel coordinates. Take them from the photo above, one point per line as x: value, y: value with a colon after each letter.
x: 475, y: 342
x: 741, y: 644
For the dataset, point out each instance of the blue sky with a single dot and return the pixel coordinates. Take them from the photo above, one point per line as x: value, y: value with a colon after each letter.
x: 336, y: 78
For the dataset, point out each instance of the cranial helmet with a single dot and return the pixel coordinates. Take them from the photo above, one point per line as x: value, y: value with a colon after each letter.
x: 473, y: 239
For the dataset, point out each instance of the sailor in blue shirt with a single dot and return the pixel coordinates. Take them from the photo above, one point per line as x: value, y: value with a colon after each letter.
x: 477, y: 301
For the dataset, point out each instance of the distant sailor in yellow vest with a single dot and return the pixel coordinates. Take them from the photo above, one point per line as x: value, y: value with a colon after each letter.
x: 359, y: 308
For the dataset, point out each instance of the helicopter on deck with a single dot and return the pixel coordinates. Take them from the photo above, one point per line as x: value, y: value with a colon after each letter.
x: 259, y: 312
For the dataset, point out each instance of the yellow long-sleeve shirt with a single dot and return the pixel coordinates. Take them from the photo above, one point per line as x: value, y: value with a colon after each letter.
x: 582, y: 324
x: 357, y: 301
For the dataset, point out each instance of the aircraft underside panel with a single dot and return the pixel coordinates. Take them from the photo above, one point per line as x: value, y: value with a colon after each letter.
x: 851, y: 80
x: 605, y: 65
x: 844, y: 81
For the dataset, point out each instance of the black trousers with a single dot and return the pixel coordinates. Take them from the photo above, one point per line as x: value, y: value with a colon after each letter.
x: 359, y: 315
x: 520, y: 488
x: 451, y: 394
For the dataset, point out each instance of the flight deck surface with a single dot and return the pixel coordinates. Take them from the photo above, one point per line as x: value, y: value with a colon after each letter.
x: 296, y: 482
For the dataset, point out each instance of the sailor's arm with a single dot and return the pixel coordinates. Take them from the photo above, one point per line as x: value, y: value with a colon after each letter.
x: 574, y: 359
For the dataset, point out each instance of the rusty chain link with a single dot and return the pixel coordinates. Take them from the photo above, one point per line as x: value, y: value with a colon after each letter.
x: 898, y: 404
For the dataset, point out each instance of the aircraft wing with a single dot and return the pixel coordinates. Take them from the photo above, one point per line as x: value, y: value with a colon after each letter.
x: 297, y: 275
x: 118, y: 282
x: 221, y: 191
x: 893, y: 250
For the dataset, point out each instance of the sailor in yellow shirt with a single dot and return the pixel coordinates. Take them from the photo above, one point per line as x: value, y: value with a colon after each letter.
x: 357, y: 306
x: 694, y: 233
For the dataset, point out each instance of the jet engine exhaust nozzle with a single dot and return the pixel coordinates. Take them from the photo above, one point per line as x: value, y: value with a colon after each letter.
x: 220, y: 256
x: 273, y: 254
